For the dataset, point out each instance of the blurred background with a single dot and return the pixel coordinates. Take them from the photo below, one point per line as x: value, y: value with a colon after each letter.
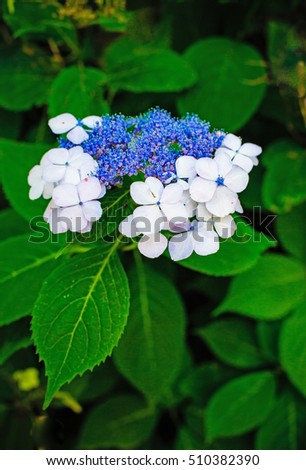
x: 241, y: 66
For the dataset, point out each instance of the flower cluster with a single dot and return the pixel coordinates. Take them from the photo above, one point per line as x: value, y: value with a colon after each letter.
x: 192, y: 178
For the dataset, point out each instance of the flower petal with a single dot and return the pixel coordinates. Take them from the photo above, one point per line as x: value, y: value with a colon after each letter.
x: 238, y: 207
x: 246, y: 163
x: 232, y: 142
x: 250, y: 150
x: 202, y: 190
x: 92, y: 121
x: 224, y: 163
x: 237, y: 179
x: 89, y: 189
x: 172, y: 194
x: 88, y: 169
x: 207, y: 168
x: 62, y: 123
x: 54, y: 173
x: 181, y: 246
x: 203, y: 213
x: 74, y: 218
x: 148, y: 219
x: 141, y: 193
x: 185, y: 167
x: 65, y: 195
x: 225, y: 226
x: 74, y: 153
x: 72, y: 176
x: 92, y: 210
x: 206, y: 243
x: 152, y: 246
x: 36, y: 190
x: 156, y: 186
x: 128, y: 227
x: 175, y: 213
x: 223, y: 202
x: 77, y: 135
x: 35, y: 175
x: 56, y: 156
x: 48, y: 190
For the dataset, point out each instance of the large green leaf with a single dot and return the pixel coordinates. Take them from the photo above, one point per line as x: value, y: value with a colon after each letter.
x: 291, y: 230
x: 79, y: 91
x: 285, y: 180
x: 293, y: 347
x: 149, y: 354
x: 236, y: 254
x: 240, y: 405
x: 285, y: 427
x: 231, y: 82
x: 25, y: 79
x: 80, y: 315
x: 11, y: 224
x: 122, y: 422
x: 275, y: 285
x: 13, y: 338
x: 14, y: 177
x: 233, y: 340
x: 23, y: 268
x: 138, y: 68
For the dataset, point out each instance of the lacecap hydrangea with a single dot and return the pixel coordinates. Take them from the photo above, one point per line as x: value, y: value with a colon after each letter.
x: 185, y: 179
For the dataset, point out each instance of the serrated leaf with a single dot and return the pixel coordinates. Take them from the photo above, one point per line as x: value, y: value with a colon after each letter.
x: 139, y: 69
x: 25, y: 79
x: 80, y: 315
x: 79, y: 91
x: 122, y: 422
x: 152, y: 362
x: 291, y: 230
x: 233, y: 340
x: 275, y: 284
x: 236, y: 254
x: 285, y: 427
x: 231, y: 82
x: 23, y: 268
x: 292, y: 346
x: 16, y: 188
x: 13, y: 338
x: 284, y: 183
x: 240, y: 405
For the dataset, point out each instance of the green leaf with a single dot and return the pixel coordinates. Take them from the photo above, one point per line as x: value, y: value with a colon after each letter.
x: 10, y: 124
x: 15, y: 184
x: 23, y: 268
x: 285, y: 427
x: 185, y: 440
x: 11, y: 224
x: 231, y: 82
x: 291, y: 230
x: 149, y: 354
x: 13, y: 338
x: 293, y: 348
x: 275, y: 284
x: 236, y: 254
x: 241, y: 405
x: 268, y: 334
x: 122, y: 422
x: 25, y: 79
x: 204, y: 380
x: 233, y: 341
x: 79, y: 91
x: 80, y: 315
x: 285, y: 180
x: 144, y: 68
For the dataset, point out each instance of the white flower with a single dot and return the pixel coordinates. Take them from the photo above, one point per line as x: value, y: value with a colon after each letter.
x: 68, y: 123
x: 242, y: 155
x: 159, y: 203
x: 197, y: 238
x: 68, y: 166
x: 78, y: 203
x: 218, y: 183
x: 38, y: 185
x: 224, y: 226
x: 186, y: 167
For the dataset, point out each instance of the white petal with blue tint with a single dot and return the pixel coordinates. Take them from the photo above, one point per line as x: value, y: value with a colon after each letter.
x: 202, y: 190
x: 223, y: 203
x: 152, y: 246
x: 142, y: 194
x: 172, y: 194
x: 92, y: 121
x: 181, y: 246
x: 77, y: 135
x: 185, y: 167
x: 89, y: 189
x: 207, y: 168
x: 66, y: 195
x: 236, y: 180
x: 62, y: 123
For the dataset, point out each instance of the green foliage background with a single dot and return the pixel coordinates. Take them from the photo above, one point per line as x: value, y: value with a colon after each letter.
x: 209, y: 353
